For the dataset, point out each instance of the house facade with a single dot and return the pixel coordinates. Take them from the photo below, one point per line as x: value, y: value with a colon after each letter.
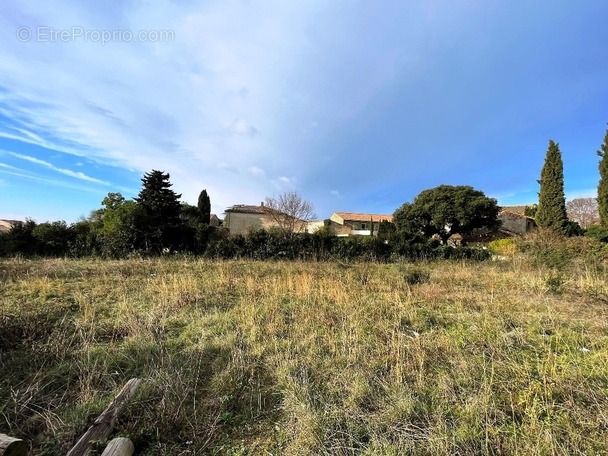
x: 214, y: 220
x: 242, y: 218
x: 515, y: 223
x: 352, y: 223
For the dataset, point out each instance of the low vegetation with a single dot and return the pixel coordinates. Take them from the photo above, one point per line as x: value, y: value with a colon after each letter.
x: 259, y: 357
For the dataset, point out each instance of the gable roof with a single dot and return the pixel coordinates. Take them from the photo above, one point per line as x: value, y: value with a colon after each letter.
x: 359, y: 217
x: 515, y: 215
x: 514, y: 209
x: 247, y: 209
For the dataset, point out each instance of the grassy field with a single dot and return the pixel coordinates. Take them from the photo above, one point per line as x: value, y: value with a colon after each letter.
x: 282, y: 358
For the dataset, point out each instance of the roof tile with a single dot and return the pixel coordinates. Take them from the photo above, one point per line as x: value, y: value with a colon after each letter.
x: 359, y: 217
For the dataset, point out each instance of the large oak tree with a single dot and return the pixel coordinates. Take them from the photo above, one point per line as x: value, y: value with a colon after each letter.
x: 446, y: 210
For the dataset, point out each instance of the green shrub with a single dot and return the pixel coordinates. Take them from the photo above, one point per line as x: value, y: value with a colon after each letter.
x: 555, y: 283
x: 505, y: 246
x: 597, y: 232
x: 557, y: 251
x: 415, y: 276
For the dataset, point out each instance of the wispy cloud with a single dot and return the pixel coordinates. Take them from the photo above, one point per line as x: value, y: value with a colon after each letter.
x: 157, y: 105
x: 257, y: 171
x: 64, y: 171
x: 53, y: 182
x: 310, y: 91
x: 242, y: 127
x: 283, y: 183
x: 6, y: 166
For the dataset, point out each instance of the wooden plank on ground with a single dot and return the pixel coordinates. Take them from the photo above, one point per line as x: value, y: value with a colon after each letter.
x: 101, y: 429
x: 120, y: 446
x: 10, y: 446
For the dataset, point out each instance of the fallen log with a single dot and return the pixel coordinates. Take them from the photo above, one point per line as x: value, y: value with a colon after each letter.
x: 101, y: 429
x: 120, y: 446
x: 10, y: 446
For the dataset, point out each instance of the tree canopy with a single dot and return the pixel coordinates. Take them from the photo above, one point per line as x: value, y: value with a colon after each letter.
x: 445, y: 210
x: 290, y: 211
x: 160, y: 207
x: 583, y: 211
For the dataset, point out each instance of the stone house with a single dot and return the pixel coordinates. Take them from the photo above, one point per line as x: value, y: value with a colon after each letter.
x: 515, y: 223
x: 352, y: 223
x: 214, y: 220
x: 242, y: 218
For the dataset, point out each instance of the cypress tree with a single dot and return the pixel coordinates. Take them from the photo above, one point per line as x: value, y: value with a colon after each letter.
x: 551, y: 211
x: 204, y: 207
x: 602, y: 188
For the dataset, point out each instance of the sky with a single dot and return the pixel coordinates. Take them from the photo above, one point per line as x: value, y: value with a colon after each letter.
x: 356, y: 105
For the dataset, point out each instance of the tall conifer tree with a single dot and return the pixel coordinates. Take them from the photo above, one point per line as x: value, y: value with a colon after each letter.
x: 551, y: 211
x: 602, y: 188
x: 204, y: 207
x: 160, y: 206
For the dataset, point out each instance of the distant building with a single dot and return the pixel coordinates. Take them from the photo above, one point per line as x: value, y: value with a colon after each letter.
x: 514, y: 209
x: 352, y: 223
x: 515, y: 223
x: 242, y: 218
x: 214, y: 220
x: 6, y: 225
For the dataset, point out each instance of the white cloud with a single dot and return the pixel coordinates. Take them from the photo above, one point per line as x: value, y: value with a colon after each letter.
x: 53, y: 182
x: 335, y: 193
x: 256, y: 171
x: 64, y: 171
x: 242, y: 127
x: 226, y: 98
x: 284, y: 183
x: 5, y: 166
x: 143, y: 106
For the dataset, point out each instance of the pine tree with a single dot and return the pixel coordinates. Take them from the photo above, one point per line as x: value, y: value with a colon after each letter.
x: 160, y: 207
x: 204, y: 207
x: 602, y: 188
x: 551, y: 211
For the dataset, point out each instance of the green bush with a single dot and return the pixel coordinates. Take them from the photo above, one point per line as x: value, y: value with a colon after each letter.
x: 557, y: 251
x: 415, y: 276
x: 597, y: 232
x: 505, y: 246
x: 555, y: 283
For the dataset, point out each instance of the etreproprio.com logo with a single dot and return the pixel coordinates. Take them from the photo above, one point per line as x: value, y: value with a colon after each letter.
x: 46, y: 34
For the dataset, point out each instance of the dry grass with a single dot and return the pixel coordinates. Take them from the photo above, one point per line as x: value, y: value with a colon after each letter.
x: 305, y: 358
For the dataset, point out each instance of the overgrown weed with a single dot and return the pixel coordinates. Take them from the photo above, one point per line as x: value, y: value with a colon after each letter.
x: 250, y: 357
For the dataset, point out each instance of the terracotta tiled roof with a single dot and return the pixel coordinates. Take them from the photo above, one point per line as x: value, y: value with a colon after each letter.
x: 514, y: 209
x: 247, y: 209
x: 515, y: 214
x: 358, y: 217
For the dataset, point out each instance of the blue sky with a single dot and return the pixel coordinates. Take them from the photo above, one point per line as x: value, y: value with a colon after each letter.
x: 357, y: 105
